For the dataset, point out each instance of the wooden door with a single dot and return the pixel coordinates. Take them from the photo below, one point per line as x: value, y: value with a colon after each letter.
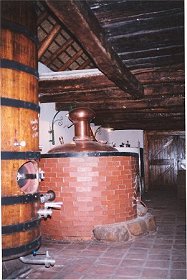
x: 163, y: 152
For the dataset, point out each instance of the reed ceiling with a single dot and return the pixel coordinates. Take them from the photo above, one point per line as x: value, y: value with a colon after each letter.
x: 124, y: 59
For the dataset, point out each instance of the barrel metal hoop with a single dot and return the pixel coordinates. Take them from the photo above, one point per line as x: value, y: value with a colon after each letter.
x: 11, y: 102
x: 19, y: 155
x: 21, y: 199
x: 11, y: 64
x: 27, y: 248
x: 17, y: 28
x: 9, y: 229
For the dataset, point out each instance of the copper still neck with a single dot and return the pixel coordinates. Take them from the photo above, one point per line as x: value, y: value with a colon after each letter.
x: 84, y: 139
x: 81, y: 118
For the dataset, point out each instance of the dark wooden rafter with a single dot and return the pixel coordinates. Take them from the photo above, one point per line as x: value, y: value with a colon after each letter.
x: 143, y: 115
x: 133, y: 110
x: 66, y: 92
x: 172, y: 88
x: 154, y: 61
x: 159, y: 75
x: 103, y: 8
x: 83, y: 24
x: 167, y: 133
x: 157, y: 39
x: 142, y: 104
x: 86, y: 79
x: 160, y: 124
x: 145, y: 36
x: 157, y: 26
x: 79, y: 81
x: 90, y: 86
x: 162, y: 51
x: 146, y: 23
x: 140, y: 119
x: 47, y: 41
x: 146, y: 125
x: 161, y: 105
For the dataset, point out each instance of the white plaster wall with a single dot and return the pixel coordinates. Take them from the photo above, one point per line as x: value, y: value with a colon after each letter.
x: 100, y: 133
x: 135, y: 137
x: 43, y: 69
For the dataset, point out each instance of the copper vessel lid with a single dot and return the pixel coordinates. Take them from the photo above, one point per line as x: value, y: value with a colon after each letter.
x: 81, y: 118
x: 84, y: 140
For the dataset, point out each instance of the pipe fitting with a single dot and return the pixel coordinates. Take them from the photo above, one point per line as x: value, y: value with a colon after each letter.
x: 44, y: 213
x: 41, y: 175
x: 49, y: 196
x: 47, y: 260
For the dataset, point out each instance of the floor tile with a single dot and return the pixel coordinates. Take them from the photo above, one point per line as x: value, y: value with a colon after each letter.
x: 159, y: 255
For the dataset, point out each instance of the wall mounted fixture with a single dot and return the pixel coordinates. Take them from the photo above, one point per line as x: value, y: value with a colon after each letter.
x: 51, y: 131
x: 60, y: 123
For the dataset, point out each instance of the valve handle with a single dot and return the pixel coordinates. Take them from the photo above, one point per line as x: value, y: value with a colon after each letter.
x: 53, y: 204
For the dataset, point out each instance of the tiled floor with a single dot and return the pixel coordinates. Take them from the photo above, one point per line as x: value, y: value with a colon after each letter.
x: 160, y: 255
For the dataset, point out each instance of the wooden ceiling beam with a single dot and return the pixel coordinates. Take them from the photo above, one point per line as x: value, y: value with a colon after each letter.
x: 139, y: 116
x: 157, y: 25
x: 79, y: 19
x: 153, y: 40
x: 176, y: 89
x: 145, y: 103
x: 152, y: 125
x: 163, y: 51
x: 77, y: 80
x: 155, y: 61
x: 47, y: 41
x: 141, y: 123
x: 161, y: 75
x: 148, y: 20
x: 103, y: 95
x: 130, y: 9
x: 91, y: 85
x: 91, y: 93
x: 136, y: 113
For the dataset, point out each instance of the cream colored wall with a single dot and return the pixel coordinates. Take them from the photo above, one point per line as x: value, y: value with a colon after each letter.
x: 135, y: 137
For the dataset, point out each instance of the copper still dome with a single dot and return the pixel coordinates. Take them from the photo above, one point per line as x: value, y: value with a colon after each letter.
x: 84, y: 140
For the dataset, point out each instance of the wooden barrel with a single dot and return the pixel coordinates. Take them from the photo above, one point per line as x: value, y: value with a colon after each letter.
x: 20, y: 199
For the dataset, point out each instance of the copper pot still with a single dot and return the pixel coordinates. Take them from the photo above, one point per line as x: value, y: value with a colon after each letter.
x: 84, y: 140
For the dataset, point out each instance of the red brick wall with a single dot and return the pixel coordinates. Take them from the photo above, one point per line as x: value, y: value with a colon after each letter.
x: 94, y: 191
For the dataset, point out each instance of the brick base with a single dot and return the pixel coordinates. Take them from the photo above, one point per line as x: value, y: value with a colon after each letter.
x: 94, y: 190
